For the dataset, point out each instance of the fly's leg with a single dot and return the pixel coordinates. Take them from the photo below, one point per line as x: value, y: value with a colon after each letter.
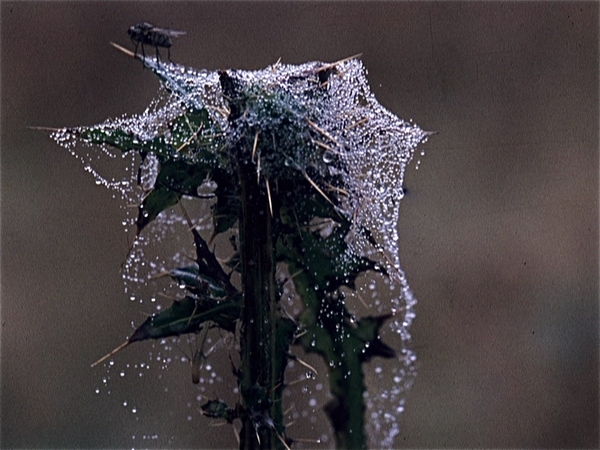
x: 143, y: 56
x: 157, y: 56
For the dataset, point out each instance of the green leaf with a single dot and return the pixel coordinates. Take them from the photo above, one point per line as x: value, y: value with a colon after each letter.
x: 197, y: 282
x: 175, y: 179
x: 187, y: 127
x: 157, y: 201
x: 184, y: 134
x: 170, y: 74
x: 107, y: 134
x: 226, y: 210
x: 329, y: 259
x: 218, y: 409
x: 188, y: 316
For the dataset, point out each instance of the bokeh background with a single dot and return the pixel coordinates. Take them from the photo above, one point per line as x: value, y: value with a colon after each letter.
x: 498, y: 230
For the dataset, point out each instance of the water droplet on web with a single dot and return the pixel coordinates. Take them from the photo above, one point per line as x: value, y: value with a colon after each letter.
x: 328, y: 156
x: 372, y: 149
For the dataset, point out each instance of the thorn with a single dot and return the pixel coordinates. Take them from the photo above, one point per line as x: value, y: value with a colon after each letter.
x: 360, y: 122
x: 286, y: 412
x: 188, y: 122
x: 295, y: 274
x: 237, y: 434
x: 258, y: 171
x: 185, y: 214
x: 323, y: 132
x: 291, y: 277
x: 124, y: 50
x: 193, y: 136
x: 333, y: 64
x: 325, y: 146
x: 299, y: 335
x: 169, y: 297
x: 276, y: 64
x: 337, y: 189
x: 255, y: 144
x: 316, y: 187
x: 218, y: 424
x: 303, y: 363
x: 282, y: 441
x: 292, y: 383
x: 144, y: 197
x: 192, y: 316
x: 160, y: 275
x: 362, y: 300
x: 309, y: 441
x: 269, y: 196
x: 108, y: 355
x: 47, y: 128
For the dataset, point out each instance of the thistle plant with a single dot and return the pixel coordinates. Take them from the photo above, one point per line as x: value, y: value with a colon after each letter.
x: 302, y: 169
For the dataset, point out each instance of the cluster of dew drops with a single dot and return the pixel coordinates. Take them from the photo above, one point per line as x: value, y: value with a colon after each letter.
x: 373, y: 149
x: 370, y: 148
x: 118, y: 172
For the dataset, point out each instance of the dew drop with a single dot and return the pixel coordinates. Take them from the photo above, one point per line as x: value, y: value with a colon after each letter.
x: 328, y: 156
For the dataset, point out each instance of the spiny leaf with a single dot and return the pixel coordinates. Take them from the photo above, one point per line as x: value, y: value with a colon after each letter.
x: 197, y: 282
x: 169, y: 73
x: 226, y: 210
x: 344, y: 346
x: 184, y: 316
x: 329, y: 258
x: 157, y: 201
x: 124, y: 141
x: 175, y: 179
x: 218, y: 409
x: 186, y: 131
x: 187, y: 316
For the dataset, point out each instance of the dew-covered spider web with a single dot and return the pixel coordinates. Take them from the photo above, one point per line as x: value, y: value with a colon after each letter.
x: 340, y: 132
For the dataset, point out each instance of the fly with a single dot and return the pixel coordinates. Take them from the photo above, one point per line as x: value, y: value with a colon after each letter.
x: 146, y: 33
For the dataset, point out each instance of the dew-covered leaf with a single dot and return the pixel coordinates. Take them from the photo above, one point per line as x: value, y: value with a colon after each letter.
x: 218, y: 409
x: 330, y: 259
x: 175, y: 179
x: 188, y: 316
x: 157, y: 201
x: 225, y: 212
x: 344, y: 345
x: 110, y: 134
x: 198, y: 283
x: 177, y: 81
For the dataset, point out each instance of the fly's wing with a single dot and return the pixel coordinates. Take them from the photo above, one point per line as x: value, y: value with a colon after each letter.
x: 169, y: 33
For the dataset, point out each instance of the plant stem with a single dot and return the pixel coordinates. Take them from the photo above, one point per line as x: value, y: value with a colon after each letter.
x: 258, y: 317
x: 258, y: 375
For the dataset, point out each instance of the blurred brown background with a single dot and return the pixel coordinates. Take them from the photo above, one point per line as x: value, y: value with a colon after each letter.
x: 499, y: 228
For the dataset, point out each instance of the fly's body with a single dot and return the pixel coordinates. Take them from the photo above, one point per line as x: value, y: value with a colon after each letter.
x: 148, y: 34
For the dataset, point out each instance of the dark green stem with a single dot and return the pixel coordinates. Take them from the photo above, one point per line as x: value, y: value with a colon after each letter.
x: 258, y: 317
x: 260, y: 374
